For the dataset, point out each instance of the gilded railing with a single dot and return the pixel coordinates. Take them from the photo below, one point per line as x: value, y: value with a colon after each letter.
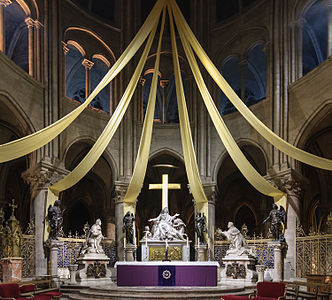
x: 313, y: 253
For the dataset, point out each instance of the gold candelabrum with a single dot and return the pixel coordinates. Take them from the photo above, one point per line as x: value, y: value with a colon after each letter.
x: 11, y: 235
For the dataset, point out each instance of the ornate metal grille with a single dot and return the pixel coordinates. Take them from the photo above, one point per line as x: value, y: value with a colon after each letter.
x: 28, y: 251
x: 313, y: 253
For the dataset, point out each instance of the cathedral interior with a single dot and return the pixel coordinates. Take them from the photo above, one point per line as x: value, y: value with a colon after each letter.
x: 276, y: 55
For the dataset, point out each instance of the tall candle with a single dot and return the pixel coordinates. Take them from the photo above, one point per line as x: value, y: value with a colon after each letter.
x: 187, y: 242
x: 146, y: 241
x: 166, y: 243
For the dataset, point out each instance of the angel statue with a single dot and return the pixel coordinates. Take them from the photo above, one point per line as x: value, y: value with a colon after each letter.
x: 54, y: 220
x: 277, y: 218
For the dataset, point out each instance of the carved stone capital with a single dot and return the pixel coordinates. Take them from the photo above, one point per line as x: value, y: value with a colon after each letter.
x: 289, y: 182
x: 210, y: 192
x: 87, y: 63
x: 30, y: 22
x: 119, y: 192
x: 5, y: 2
x: 42, y: 176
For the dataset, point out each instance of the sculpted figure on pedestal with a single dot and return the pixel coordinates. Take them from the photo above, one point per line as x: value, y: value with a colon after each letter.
x: 168, y: 227
x: 238, y: 244
x: 200, y: 227
x: 128, y: 227
x: 93, y: 239
x: 278, y: 219
x: 54, y: 220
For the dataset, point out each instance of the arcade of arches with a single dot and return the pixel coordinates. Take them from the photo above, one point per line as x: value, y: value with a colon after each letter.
x: 53, y: 54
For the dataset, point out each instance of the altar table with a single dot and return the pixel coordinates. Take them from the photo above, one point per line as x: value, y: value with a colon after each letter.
x: 159, y: 273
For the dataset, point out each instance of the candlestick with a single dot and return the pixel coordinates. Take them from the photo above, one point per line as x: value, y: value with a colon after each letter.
x: 187, y: 242
x: 166, y: 243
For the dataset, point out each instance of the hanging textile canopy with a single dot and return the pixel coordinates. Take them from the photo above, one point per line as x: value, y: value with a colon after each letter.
x: 191, y: 46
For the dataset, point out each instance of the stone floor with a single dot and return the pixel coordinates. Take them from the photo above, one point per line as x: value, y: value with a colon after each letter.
x: 169, y: 293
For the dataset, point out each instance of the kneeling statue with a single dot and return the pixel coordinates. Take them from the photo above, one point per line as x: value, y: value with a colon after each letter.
x: 93, y: 239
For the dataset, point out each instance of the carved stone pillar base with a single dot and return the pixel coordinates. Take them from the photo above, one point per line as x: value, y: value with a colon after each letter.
x: 279, y: 249
x: 93, y: 270
x: 53, y: 246
x: 201, y: 252
x: 260, y: 272
x: 129, y: 252
x: 11, y: 269
x: 72, y: 270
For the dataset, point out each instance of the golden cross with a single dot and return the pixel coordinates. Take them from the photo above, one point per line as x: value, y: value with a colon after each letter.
x: 13, y: 206
x: 165, y: 186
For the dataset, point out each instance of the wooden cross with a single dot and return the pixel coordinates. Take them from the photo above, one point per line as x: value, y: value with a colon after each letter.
x: 13, y: 206
x: 165, y: 186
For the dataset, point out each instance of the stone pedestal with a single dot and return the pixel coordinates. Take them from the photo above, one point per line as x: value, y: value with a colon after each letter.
x: 239, y: 269
x: 130, y: 252
x: 72, y: 270
x: 260, y: 272
x: 53, y: 246
x: 93, y: 270
x: 11, y: 269
x: 201, y: 252
x: 155, y: 250
x: 279, y: 249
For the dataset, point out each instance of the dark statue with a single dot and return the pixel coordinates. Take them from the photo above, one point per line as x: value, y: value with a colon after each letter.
x: 128, y: 227
x: 200, y: 227
x: 54, y: 220
x: 277, y: 218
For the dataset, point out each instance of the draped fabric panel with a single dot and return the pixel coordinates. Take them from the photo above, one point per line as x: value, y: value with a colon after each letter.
x: 248, y: 171
x: 269, y: 135
x: 99, y: 147
x: 186, y: 138
x: 142, y: 158
x: 32, y: 142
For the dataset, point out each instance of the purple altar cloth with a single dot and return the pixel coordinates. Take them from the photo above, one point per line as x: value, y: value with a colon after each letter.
x: 189, y: 274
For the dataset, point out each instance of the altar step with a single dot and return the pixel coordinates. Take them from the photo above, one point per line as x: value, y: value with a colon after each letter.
x: 151, y: 293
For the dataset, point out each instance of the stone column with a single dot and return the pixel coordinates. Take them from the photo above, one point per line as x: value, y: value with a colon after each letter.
x: 53, y: 246
x: 30, y: 24
x: 329, y: 27
x: 279, y: 249
x: 37, y: 28
x: 87, y: 65
x: 289, y: 181
x: 3, y: 4
x: 39, y: 178
x: 120, y: 190
x: 210, y: 192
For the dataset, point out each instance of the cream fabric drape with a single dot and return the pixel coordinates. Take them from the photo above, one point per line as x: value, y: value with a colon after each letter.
x: 27, y: 144
x: 186, y: 138
x: 270, y: 136
x: 142, y: 158
x: 248, y: 171
x: 99, y: 147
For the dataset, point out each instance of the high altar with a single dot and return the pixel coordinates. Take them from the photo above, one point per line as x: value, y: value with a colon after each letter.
x: 165, y: 255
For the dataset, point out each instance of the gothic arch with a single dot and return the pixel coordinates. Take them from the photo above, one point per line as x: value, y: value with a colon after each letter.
x: 70, y: 34
x: 93, y: 192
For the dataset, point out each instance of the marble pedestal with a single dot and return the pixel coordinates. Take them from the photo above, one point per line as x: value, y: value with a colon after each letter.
x: 201, y: 252
x: 238, y: 269
x: 130, y: 252
x: 155, y: 250
x: 260, y: 272
x: 72, y: 270
x: 93, y: 270
x: 11, y: 269
x: 279, y: 249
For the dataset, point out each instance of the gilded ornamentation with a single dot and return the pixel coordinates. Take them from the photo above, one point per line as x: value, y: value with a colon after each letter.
x: 158, y: 253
